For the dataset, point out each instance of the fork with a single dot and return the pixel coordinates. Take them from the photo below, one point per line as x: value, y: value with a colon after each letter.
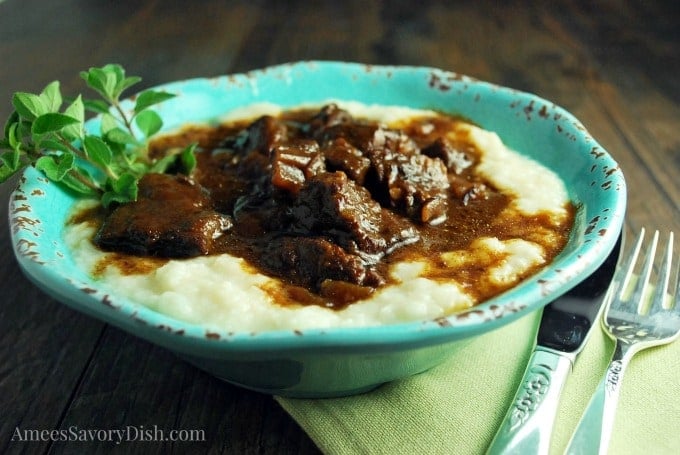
x: 646, y: 315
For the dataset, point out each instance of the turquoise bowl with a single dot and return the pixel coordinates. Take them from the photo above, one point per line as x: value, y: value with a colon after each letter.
x: 343, y: 361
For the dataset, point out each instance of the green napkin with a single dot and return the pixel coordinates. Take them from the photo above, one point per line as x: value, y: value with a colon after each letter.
x: 455, y: 408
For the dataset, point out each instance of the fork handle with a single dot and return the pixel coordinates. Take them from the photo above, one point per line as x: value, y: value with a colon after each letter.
x: 594, y: 430
x: 529, y: 421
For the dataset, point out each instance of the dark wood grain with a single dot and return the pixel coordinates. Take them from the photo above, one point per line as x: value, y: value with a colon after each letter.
x: 614, y: 64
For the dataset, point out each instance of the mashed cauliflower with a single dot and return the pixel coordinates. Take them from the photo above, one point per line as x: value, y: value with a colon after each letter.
x: 223, y: 292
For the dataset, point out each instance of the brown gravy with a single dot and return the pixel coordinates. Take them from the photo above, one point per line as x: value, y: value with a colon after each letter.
x: 322, y: 201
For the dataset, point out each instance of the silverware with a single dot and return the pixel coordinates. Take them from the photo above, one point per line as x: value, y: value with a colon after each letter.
x: 562, y: 333
x: 636, y: 319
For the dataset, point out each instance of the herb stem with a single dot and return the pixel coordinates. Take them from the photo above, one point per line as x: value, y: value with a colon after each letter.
x: 71, y: 147
x: 106, y: 170
x: 85, y: 181
x: 127, y: 122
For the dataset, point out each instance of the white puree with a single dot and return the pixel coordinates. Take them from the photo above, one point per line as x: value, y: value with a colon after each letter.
x: 219, y: 293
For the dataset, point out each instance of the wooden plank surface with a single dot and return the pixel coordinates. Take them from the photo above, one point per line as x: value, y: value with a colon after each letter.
x: 614, y: 64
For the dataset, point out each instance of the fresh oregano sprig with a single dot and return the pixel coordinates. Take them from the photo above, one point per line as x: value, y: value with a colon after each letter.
x: 44, y: 133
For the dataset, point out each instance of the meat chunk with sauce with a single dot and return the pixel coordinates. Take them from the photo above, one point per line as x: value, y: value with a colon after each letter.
x: 342, y: 156
x: 312, y: 260
x: 409, y: 180
x: 328, y: 116
x: 294, y: 162
x: 317, y: 199
x: 417, y: 184
x: 172, y: 217
x: 454, y: 159
x: 260, y: 136
x: 333, y: 204
x: 391, y: 165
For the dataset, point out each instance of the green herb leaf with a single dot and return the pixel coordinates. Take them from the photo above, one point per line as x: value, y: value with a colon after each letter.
x: 162, y: 165
x: 122, y: 190
x: 5, y: 173
x: 108, y: 123
x: 138, y: 168
x: 97, y: 106
x: 52, y: 122
x: 127, y: 83
x: 51, y: 96
x: 93, y: 81
x: 29, y: 105
x: 102, y: 80
x: 126, y: 184
x: 11, y: 120
x: 76, y: 110
x: 149, y: 122
x: 149, y: 98
x: 183, y: 160
x: 75, y: 181
x: 188, y: 158
x: 24, y: 129
x: 115, y: 75
x: 54, y: 146
x: 109, y: 197
x: 120, y: 136
x: 109, y: 80
x: 97, y: 150
x: 11, y: 160
x: 55, y: 167
x: 108, y: 165
x: 13, y: 140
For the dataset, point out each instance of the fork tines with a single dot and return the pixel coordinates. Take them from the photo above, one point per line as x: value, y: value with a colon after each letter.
x: 667, y: 287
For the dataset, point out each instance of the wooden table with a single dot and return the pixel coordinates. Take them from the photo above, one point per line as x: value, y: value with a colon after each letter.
x: 615, y: 65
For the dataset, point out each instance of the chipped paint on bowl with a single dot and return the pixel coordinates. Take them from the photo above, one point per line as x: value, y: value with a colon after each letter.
x: 343, y: 361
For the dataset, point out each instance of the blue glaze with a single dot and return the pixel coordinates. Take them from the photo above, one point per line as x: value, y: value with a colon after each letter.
x: 334, y: 362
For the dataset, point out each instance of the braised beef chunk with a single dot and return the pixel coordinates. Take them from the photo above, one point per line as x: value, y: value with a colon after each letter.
x: 311, y: 260
x: 329, y: 115
x: 360, y: 135
x: 171, y: 218
x: 331, y: 203
x: 261, y: 136
x: 294, y: 162
x: 419, y: 184
x: 343, y: 156
x: 391, y: 166
x: 453, y: 158
x: 408, y: 179
x: 319, y: 199
x: 392, y: 143
x: 467, y: 191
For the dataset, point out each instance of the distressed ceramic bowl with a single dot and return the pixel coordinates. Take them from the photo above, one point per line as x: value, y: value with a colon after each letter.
x: 342, y: 361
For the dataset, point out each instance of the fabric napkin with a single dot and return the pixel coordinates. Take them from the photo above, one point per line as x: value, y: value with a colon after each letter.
x: 455, y: 408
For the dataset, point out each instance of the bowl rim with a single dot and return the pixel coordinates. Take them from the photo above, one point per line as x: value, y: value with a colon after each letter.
x: 502, y: 309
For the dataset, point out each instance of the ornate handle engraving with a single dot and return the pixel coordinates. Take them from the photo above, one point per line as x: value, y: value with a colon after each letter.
x: 532, y: 392
x: 614, y: 376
